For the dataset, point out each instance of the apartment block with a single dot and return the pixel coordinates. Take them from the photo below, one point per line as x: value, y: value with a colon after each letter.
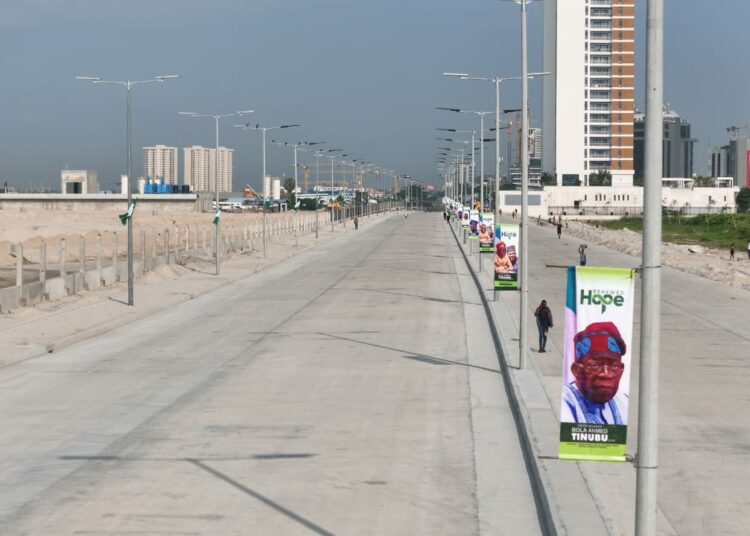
x: 160, y: 162
x: 200, y: 168
x: 588, y: 99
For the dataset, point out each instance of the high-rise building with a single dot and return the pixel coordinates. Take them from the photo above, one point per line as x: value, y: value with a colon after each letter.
x: 733, y: 160
x: 200, y: 168
x: 588, y: 101
x: 677, y: 145
x: 160, y: 162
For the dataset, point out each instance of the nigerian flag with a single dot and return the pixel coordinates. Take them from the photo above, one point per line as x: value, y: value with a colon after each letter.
x: 216, y: 216
x: 129, y: 214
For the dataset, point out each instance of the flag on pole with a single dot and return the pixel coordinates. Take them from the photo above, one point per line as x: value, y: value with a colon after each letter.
x: 216, y: 216
x: 129, y: 214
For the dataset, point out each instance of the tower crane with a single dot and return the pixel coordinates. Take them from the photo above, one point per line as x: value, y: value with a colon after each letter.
x: 735, y: 130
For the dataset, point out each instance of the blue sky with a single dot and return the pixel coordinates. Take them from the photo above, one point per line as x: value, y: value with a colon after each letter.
x: 362, y: 76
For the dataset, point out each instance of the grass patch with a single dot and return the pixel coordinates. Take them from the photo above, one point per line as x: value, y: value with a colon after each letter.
x: 711, y: 230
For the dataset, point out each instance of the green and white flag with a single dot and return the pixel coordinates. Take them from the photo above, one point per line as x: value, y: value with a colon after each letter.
x: 129, y: 214
x: 216, y: 217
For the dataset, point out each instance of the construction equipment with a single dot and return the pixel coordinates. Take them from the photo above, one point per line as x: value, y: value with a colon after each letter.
x: 249, y: 192
x: 735, y: 130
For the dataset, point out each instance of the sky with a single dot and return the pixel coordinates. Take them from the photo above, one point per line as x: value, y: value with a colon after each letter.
x: 365, y: 77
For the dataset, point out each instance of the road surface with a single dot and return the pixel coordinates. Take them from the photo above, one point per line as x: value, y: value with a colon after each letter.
x: 350, y: 390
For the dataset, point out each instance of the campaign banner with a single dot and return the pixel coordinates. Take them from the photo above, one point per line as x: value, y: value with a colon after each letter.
x: 487, y: 233
x: 473, y: 224
x: 596, y: 363
x: 465, y: 216
x: 506, y: 256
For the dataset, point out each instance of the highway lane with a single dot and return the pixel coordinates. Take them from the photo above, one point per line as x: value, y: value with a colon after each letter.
x: 333, y: 394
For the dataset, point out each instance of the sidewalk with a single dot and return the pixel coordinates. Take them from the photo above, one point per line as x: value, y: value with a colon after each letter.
x: 704, y: 461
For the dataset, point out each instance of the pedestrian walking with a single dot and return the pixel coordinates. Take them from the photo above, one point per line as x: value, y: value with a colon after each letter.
x: 544, y: 322
x: 356, y: 223
x: 559, y: 230
x: 731, y: 252
x: 748, y: 250
x: 582, y: 254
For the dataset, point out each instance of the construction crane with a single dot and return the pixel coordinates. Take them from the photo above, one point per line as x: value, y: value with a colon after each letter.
x: 735, y: 130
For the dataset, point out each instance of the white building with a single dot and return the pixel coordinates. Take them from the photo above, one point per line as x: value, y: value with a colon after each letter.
x: 588, y: 97
x: 79, y: 181
x: 200, y: 168
x: 160, y: 162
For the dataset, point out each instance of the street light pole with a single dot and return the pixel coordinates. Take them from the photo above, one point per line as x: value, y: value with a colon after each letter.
x: 247, y: 126
x: 647, y: 462
x: 217, y: 222
x: 524, y: 235
x: 128, y: 85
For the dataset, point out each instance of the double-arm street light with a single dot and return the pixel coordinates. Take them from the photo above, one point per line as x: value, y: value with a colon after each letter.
x: 248, y: 126
x: 296, y: 206
x: 318, y: 154
x: 465, y: 142
x: 216, y: 118
x: 481, y: 150
x: 497, y: 81
x: 128, y: 85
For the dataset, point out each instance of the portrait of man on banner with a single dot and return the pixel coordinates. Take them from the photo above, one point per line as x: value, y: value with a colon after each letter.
x: 594, y: 396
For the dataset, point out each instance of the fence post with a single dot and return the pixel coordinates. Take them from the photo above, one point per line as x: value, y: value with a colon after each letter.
x: 143, y: 251
x: 166, y: 244
x: 114, y: 254
x: 43, y: 261
x: 82, y: 257
x: 19, y: 268
x: 99, y: 255
x: 63, y: 257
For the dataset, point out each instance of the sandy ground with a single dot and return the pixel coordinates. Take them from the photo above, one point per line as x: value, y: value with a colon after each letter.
x: 697, y: 260
x: 32, y: 331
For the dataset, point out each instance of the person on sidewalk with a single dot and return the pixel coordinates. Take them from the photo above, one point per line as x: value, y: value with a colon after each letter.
x: 582, y: 254
x: 356, y: 223
x: 559, y: 230
x: 544, y: 322
x: 731, y: 252
x: 748, y: 250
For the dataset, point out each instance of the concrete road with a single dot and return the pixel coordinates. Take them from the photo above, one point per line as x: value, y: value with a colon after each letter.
x: 351, y: 390
x: 704, y: 447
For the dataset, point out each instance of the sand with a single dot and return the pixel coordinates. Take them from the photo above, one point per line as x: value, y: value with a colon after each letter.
x: 694, y: 259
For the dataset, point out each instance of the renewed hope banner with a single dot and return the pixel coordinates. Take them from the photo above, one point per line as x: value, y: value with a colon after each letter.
x: 506, y: 256
x: 487, y: 233
x: 596, y: 363
x: 473, y: 223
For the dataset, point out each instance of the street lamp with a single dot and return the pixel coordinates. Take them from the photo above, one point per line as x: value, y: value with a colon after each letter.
x: 481, y: 151
x: 497, y: 81
x: 296, y: 199
x: 265, y: 200
x: 128, y: 85
x: 216, y: 118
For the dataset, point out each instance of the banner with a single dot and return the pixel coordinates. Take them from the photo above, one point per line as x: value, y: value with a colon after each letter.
x: 473, y: 223
x: 465, y: 216
x: 506, y: 256
x: 487, y: 233
x: 596, y: 363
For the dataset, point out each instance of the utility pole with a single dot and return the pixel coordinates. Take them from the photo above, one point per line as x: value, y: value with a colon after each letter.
x: 648, y: 397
